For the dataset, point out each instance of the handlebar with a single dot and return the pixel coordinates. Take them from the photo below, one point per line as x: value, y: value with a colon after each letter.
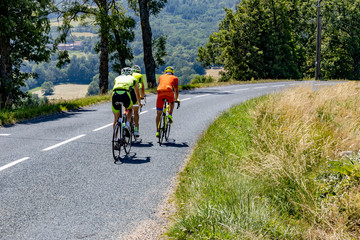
x: 178, y: 104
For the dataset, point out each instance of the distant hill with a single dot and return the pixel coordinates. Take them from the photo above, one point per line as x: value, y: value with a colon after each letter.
x: 187, y: 25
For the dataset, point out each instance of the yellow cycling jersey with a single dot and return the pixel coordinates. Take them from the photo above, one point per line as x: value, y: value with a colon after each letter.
x: 123, y: 82
x: 139, y: 78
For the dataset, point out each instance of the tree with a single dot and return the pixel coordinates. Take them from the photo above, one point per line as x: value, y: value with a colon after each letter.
x: 24, y: 32
x: 145, y: 8
x: 108, y: 16
x: 47, y: 88
x: 122, y: 27
x: 341, y: 40
x: 256, y: 41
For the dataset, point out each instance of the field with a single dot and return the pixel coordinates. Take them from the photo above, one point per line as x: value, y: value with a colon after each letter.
x: 66, y: 92
x: 214, y: 72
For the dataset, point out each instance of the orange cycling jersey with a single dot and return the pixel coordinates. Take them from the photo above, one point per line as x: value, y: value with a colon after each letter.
x: 167, y: 82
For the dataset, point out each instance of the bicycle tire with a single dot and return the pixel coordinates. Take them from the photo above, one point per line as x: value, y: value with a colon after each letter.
x: 132, y: 124
x: 127, y: 138
x: 116, y: 134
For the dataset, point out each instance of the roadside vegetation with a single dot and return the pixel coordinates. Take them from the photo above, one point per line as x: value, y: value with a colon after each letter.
x: 35, y: 107
x: 271, y: 169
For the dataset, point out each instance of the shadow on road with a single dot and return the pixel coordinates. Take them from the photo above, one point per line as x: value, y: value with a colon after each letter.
x: 172, y: 143
x: 139, y: 143
x: 132, y: 159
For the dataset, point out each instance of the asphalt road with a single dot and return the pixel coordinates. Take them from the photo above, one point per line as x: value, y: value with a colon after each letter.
x: 58, y: 179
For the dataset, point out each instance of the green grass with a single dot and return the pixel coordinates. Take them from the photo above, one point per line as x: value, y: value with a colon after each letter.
x: 13, y: 116
x: 262, y: 170
x: 216, y: 200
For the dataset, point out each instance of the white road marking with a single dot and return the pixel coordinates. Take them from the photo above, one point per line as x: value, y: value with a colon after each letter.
x: 5, y: 134
x: 100, y: 128
x: 241, y: 89
x: 143, y: 112
x: 202, y: 95
x: 13, y: 163
x: 279, y: 85
x: 64, y: 142
x: 260, y: 87
x: 185, y: 99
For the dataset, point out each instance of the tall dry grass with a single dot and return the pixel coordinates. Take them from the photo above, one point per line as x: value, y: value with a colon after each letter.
x: 296, y: 133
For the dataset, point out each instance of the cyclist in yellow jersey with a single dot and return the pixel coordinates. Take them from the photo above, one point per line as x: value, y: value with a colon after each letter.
x: 125, y: 91
x: 139, y: 77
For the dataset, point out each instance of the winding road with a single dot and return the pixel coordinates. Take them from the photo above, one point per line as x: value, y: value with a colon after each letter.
x: 58, y: 179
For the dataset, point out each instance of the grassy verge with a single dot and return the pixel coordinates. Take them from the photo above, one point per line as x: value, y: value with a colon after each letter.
x: 13, y: 116
x: 270, y: 169
x: 35, y: 110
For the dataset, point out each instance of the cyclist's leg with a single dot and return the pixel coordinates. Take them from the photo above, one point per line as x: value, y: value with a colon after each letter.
x: 170, y: 97
x: 116, y: 107
x: 136, y: 109
x: 159, y: 109
x: 128, y: 105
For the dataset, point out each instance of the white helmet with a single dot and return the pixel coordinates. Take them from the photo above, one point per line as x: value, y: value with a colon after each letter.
x: 126, y: 71
x: 136, y: 68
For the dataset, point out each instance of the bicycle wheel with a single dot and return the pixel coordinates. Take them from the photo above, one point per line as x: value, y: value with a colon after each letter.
x: 167, y: 133
x: 116, y: 147
x: 127, y: 136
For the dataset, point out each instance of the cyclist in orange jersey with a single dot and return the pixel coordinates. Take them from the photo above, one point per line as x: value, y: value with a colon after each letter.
x: 168, y: 83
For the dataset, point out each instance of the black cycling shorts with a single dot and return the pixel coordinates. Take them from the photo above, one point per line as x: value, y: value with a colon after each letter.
x: 133, y: 97
x: 119, y: 97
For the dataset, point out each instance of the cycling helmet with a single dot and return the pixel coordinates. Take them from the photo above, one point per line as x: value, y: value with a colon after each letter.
x: 169, y: 69
x: 126, y: 71
x: 136, y: 68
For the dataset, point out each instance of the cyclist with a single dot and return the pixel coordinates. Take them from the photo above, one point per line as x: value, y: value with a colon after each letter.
x: 168, y: 82
x: 125, y: 90
x: 139, y: 77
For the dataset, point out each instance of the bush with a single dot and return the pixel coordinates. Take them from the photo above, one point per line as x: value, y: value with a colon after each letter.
x: 47, y: 88
x: 202, y: 79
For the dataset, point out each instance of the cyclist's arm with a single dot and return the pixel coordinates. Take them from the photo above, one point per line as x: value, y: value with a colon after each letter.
x: 136, y: 89
x: 176, y: 88
x: 142, y: 93
x: 176, y: 92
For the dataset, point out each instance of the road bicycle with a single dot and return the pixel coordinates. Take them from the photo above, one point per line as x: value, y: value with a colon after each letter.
x: 122, y: 136
x: 165, y: 124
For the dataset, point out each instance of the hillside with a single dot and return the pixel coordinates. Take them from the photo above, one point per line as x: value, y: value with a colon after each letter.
x: 187, y: 25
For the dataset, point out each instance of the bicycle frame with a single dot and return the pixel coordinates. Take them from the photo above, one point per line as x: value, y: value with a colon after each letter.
x: 121, y: 138
x: 164, y: 125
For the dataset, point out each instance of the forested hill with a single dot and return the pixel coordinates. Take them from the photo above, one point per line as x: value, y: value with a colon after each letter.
x: 187, y: 25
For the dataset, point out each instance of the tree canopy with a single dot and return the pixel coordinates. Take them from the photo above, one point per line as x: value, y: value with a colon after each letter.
x: 276, y: 39
x: 24, y: 36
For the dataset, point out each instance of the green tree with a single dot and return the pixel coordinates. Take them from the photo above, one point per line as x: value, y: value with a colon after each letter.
x: 255, y: 41
x: 47, y: 88
x: 24, y: 32
x: 122, y: 27
x: 106, y: 15
x: 146, y: 8
x: 341, y: 39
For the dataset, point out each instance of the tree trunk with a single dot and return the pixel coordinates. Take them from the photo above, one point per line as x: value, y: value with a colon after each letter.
x: 6, y: 83
x: 104, y: 51
x: 147, y: 43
